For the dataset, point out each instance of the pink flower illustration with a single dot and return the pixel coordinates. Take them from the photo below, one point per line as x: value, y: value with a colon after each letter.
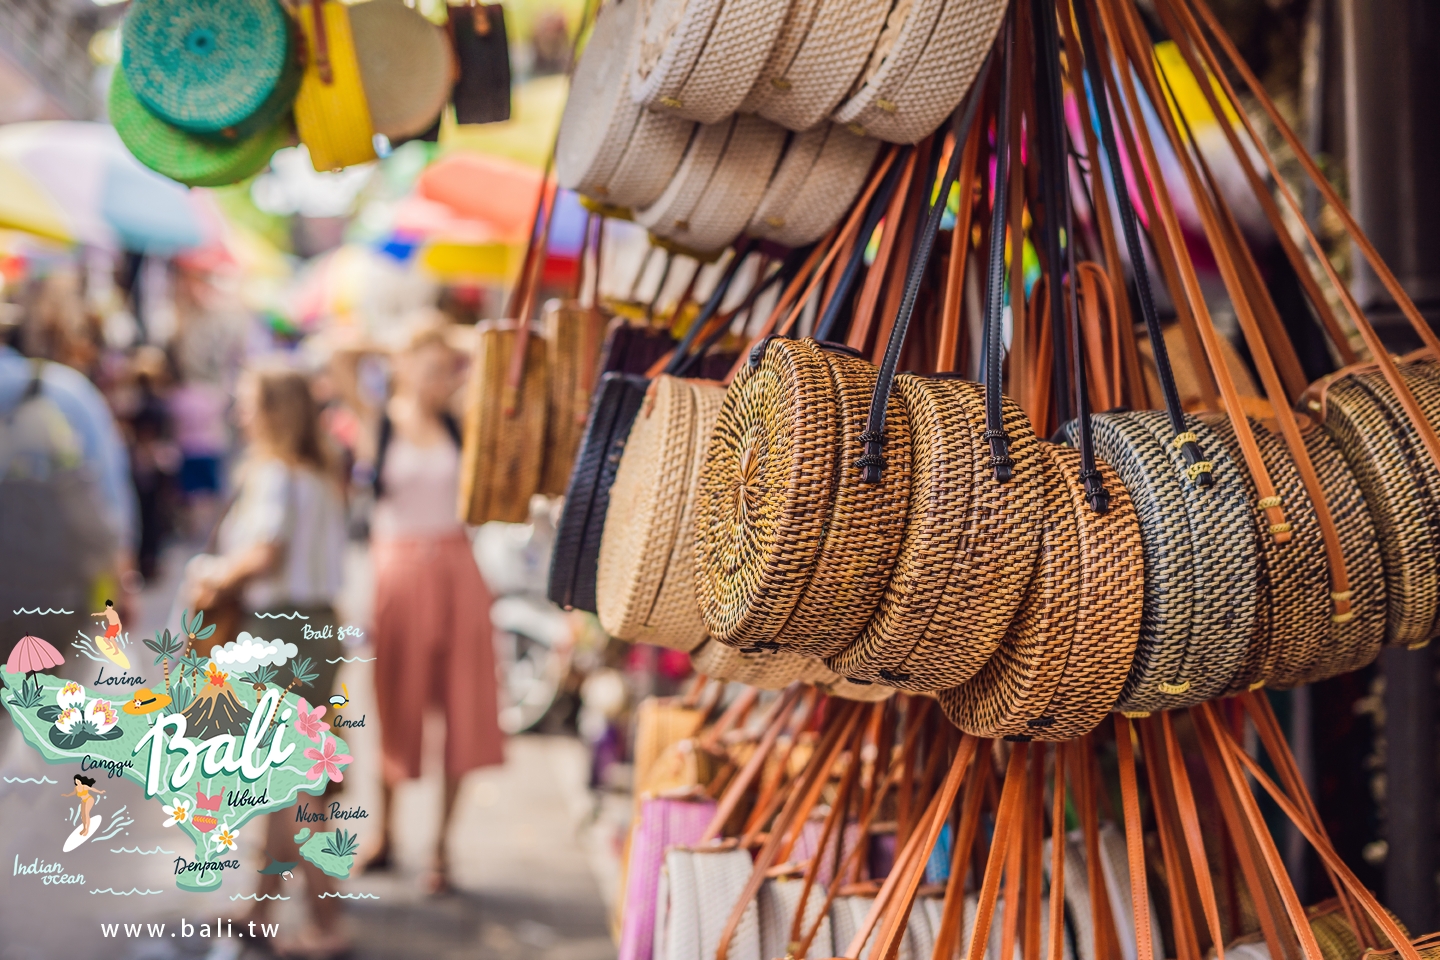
x: 327, y: 761
x: 308, y: 722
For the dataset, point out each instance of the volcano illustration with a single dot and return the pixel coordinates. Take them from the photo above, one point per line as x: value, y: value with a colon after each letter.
x: 215, y: 709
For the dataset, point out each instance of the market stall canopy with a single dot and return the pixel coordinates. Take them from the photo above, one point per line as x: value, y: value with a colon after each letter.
x: 75, y: 181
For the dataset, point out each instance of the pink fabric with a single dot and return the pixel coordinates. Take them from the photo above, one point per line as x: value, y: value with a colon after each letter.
x: 662, y: 824
x: 421, y: 486
x: 198, y: 413
x: 433, y: 651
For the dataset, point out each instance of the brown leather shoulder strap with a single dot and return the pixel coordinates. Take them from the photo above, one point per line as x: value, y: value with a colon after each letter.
x: 1134, y: 840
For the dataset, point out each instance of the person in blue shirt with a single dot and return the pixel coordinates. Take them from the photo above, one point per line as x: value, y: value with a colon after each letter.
x: 68, y: 525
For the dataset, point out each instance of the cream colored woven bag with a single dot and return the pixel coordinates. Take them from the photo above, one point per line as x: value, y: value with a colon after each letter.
x: 766, y: 669
x: 718, y: 185
x: 822, y: 48
x: 779, y: 900
x: 818, y: 178
x: 610, y: 148
x: 645, y: 587
x: 698, y: 58
x: 912, y: 86
x: 697, y: 890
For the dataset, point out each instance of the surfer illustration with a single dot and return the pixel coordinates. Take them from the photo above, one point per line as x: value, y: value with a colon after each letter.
x: 85, y: 791
x: 109, y: 644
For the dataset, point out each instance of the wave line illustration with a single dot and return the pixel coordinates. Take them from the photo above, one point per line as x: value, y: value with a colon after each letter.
x: 143, y: 853
x: 36, y: 610
x: 297, y: 615
x: 27, y: 780
x: 350, y: 896
x: 351, y: 660
x: 126, y: 893
x: 257, y: 897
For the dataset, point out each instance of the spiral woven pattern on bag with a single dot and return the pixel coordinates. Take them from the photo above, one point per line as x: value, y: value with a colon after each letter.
x: 1385, y: 456
x: 761, y: 505
x: 185, y: 157
x: 766, y: 669
x: 1293, y: 615
x: 1019, y: 680
x: 1356, y: 642
x: 958, y: 582
x: 1112, y: 579
x: 815, y: 61
x: 213, y: 68
x: 865, y: 522
x: 818, y: 179
x: 676, y: 613
x: 500, y: 458
x: 646, y: 502
x: 572, y: 341
x: 912, y: 107
x: 599, y: 115
x: 1200, y: 562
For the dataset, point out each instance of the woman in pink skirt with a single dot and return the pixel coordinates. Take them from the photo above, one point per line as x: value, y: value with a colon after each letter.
x: 431, y: 627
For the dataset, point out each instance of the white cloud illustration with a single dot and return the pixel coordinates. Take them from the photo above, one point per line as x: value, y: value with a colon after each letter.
x: 247, y: 651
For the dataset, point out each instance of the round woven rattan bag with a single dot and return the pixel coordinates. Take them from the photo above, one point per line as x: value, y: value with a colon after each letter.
x: 1354, y: 643
x: 1293, y: 616
x: 969, y: 546
x: 1102, y: 648
x: 1015, y: 684
x: 766, y: 669
x: 1392, y: 467
x: 818, y: 178
x: 645, y: 588
x: 218, y: 68
x: 821, y: 49
x: 185, y: 157
x: 791, y: 549
x: 1201, y: 567
x: 407, y: 66
x: 599, y: 115
x: 909, y: 95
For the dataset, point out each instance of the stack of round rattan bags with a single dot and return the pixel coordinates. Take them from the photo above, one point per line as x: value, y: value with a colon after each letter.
x: 822, y: 517
x: 713, y: 117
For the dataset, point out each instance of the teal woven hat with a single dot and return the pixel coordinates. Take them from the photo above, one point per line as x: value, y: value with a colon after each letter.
x: 183, y: 156
x: 215, y: 68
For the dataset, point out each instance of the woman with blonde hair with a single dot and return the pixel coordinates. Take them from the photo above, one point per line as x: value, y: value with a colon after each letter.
x: 431, y: 624
x: 280, y: 561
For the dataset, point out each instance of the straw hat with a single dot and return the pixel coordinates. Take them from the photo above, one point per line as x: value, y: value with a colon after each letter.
x: 145, y: 701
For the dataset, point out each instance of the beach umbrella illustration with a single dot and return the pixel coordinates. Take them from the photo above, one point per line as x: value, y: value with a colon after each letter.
x: 32, y: 655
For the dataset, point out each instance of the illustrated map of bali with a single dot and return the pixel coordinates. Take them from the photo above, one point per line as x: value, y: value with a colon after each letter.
x: 221, y: 739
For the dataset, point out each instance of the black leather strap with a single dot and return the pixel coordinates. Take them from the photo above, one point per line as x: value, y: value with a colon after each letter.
x: 872, y: 461
x: 992, y: 360
x: 687, y: 368
x: 683, y: 359
x: 1054, y: 160
x: 1190, y: 449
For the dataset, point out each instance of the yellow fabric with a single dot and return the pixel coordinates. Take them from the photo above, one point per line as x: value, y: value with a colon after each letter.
x: 26, y: 206
x: 333, y: 118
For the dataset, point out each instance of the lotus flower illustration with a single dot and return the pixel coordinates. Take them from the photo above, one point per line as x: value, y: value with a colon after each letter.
x: 69, y: 719
x: 70, y: 695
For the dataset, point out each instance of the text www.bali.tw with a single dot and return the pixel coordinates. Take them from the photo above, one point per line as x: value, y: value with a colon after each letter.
x: 220, y: 928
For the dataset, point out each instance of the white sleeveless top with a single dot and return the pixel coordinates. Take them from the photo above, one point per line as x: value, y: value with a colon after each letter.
x: 421, y: 485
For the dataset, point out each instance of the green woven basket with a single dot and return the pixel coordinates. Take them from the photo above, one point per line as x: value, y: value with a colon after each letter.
x: 215, y: 68
x: 183, y: 156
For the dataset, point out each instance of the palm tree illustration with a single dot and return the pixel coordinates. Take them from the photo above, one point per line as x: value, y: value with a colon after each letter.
x: 302, y: 673
x: 167, y: 648
x: 195, y: 630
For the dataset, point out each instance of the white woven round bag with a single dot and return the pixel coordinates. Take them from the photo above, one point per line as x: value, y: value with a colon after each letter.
x: 718, y: 185
x: 822, y: 47
x: 733, y: 55
x: 818, y: 178
x: 610, y: 148
x: 406, y: 67
x: 907, y: 31
x: 672, y: 35
x: 599, y: 116
x: 907, y: 106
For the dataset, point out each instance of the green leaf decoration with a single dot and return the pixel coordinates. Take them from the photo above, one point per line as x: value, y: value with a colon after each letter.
x: 48, y: 713
x: 207, y: 633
